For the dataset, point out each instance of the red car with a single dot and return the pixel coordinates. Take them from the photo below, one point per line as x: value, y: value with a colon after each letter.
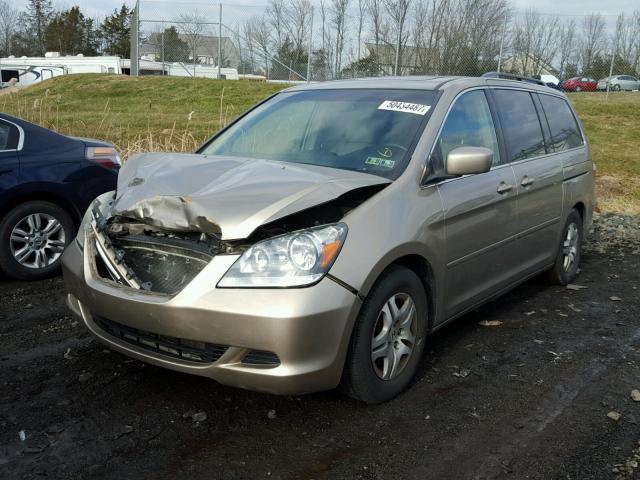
x: 579, y: 84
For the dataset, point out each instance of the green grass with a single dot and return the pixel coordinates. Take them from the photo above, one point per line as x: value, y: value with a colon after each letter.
x: 177, y: 114
x: 613, y: 130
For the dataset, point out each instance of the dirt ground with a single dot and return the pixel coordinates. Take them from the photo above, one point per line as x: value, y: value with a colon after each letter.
x: 528, y: 398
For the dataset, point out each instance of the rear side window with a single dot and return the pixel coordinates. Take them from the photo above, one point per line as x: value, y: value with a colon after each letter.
x: 565, y: 133
x: 520, y: 124
x: 9, y: 136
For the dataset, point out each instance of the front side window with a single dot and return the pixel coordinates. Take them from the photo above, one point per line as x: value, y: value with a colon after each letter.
x: 468, y: 124
x: 565, y: 133
x: 520, y: 124
x: 366, y: 130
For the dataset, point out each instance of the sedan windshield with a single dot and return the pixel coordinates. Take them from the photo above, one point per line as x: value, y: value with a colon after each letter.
x: 366, y: 130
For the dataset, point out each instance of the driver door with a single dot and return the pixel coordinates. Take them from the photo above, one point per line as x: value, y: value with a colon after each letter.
x: 480, y: 210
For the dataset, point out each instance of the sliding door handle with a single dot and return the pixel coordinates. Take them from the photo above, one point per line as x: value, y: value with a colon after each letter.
x: 504, y: 188
x: 527, y: 181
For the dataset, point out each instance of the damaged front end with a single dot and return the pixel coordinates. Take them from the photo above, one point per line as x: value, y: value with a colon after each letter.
x: 143, y: 253
x: 145, y: 257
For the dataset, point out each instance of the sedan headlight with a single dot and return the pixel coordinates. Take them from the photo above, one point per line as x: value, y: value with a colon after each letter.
x: 293, y: 260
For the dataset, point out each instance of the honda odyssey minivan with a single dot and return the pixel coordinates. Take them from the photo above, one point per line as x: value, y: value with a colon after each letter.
x: 319, y: 239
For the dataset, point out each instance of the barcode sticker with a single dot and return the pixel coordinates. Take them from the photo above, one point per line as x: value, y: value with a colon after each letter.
x: 405, y: 107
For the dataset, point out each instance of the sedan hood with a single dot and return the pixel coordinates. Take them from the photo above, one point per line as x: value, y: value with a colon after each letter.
x: 226, y: 196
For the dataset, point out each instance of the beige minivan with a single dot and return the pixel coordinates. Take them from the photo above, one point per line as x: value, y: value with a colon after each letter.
x: 316, y: 241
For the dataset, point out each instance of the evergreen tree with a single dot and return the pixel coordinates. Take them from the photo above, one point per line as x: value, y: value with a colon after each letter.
x: 38, y: 14
x: 71, y: 33
x: 175, y: 49
x: 115, y: 32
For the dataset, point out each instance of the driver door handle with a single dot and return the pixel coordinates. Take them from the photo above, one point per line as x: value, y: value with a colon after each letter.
x: 527, y: 181
x: 504, y: 188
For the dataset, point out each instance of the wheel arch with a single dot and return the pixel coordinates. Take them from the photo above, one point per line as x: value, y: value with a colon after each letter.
x: 42, y: 195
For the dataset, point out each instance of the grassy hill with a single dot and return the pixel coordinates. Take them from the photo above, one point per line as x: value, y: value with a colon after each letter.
x: 136, y: 114
x: 177, y: 114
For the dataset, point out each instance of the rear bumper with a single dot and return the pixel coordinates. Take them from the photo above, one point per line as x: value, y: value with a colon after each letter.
x: 307, y: 328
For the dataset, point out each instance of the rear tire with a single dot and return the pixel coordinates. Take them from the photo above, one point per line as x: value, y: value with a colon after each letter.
x: 578, y: 89
x: 33, y: 236
x: 388, y: 338
x: 567, y: 262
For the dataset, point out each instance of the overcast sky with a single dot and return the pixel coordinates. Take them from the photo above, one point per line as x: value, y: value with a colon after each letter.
x: 572, y: 7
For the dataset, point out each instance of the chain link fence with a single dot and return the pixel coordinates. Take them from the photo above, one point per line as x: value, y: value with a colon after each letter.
x: 301, y: 40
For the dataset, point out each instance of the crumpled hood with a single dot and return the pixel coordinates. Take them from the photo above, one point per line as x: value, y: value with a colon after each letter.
x: 226, y: 196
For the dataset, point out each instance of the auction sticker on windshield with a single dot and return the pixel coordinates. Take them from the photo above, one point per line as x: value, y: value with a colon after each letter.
x: 405, y: 107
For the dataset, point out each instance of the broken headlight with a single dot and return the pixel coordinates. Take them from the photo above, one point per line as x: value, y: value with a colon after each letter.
x: 102, y: 203
x: 293, y: 260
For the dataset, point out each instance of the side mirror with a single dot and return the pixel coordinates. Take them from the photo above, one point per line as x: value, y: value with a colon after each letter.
x: 469, y: 160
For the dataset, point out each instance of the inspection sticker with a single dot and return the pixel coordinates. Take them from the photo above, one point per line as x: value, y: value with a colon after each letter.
x: 395, y: 106
x: 380, y: 162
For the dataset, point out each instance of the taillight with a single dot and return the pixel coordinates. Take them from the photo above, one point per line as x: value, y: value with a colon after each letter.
x: 106, y: 156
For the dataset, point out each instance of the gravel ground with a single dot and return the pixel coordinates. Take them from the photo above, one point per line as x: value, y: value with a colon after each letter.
x: 546, y: 394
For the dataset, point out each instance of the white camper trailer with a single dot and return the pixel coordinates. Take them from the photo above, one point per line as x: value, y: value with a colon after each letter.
x: 30, y: 70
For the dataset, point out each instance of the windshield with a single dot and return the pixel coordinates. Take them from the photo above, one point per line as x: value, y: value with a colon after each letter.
x: 365, y: 130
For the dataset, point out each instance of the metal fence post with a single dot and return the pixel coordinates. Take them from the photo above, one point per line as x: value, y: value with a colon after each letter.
x: 310, y: 48
x: 162, y: 50
x: 613, y: 56
x: 134, y: 65
x: 220, y: 43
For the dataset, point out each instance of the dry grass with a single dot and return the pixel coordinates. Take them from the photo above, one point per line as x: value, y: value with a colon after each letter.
x: 136, y: 114
x: 178, y: 114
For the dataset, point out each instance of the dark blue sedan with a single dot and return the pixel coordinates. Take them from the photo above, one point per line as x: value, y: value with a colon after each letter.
x: 47, y: 181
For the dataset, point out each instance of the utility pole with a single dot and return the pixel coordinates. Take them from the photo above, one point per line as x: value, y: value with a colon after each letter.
x: 613, y: 56
x: 395, y: 68
x: 220, y: 43
x: 504, y: 28
x: 310, y: 48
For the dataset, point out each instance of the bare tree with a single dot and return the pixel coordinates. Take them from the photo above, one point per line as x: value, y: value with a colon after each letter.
x: 592, y: 42
x: 338, y: 12
x: 397, y: 10
x: 260, y: 37
x: 299, y: 22
x: 362, y: 10
x: 627, y: 41
x: 277, y: 14
x: 192, y: 26
x: 535, y: 43
x: 8, y: 25
x: 567, y: 49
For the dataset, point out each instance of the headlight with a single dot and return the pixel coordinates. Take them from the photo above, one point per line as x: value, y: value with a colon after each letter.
x: 84, y: 225
x: 102, y: 203
x: 293, y: 260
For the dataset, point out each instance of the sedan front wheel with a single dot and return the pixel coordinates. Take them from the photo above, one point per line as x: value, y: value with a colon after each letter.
x: 33, y: 237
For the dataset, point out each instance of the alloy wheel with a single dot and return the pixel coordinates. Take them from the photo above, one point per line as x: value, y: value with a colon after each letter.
x: 37, y: 240
x: 570, y: 247
x: 394, y: 336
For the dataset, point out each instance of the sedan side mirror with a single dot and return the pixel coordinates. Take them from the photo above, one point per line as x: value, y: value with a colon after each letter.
x: 469, y: 160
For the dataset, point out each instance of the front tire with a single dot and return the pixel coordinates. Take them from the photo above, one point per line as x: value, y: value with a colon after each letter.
x: 33, y: 236
x: 388, y: 338
x: 578, y: 89
x: 567, y: 262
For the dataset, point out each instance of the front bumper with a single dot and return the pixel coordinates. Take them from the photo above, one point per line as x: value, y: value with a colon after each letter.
x: 307, y: 328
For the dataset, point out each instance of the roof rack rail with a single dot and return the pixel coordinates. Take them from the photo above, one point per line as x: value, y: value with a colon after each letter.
x: 511, y: 76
